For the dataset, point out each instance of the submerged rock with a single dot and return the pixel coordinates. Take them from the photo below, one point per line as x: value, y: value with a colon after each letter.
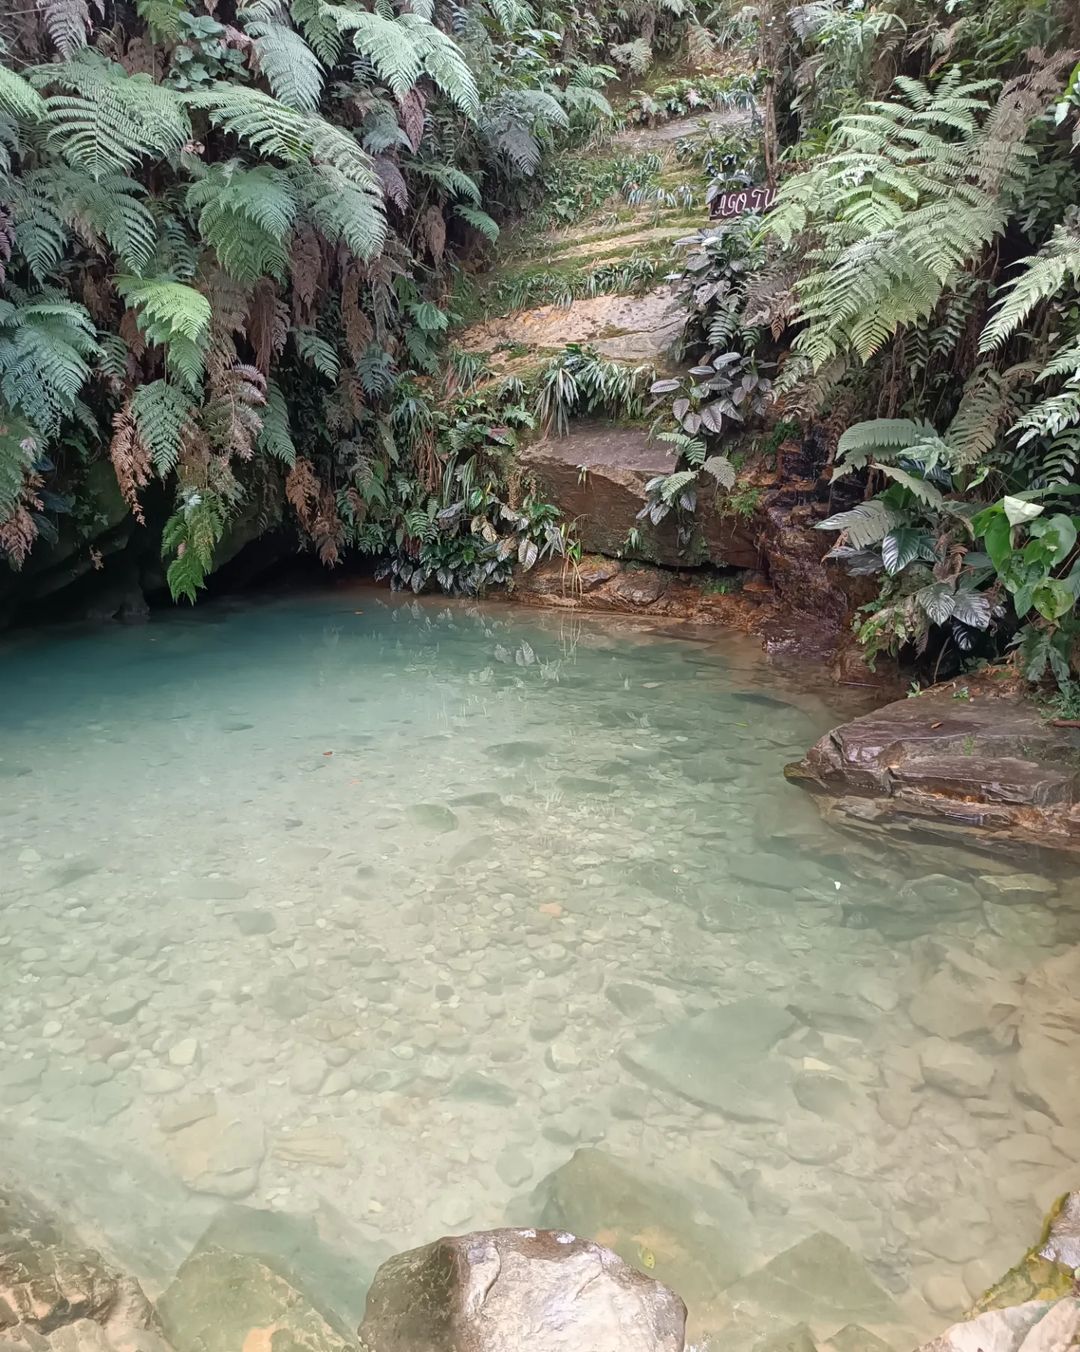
x: 819, y: 1280
x: 954, y: 1068
x: 991, y: 765
x: 648, y: 1224
x: 230, y: 1302
x: 321, y: 1255
x: 497, y: 1290
x: 717, y: 1059
x: 1049, y: 1029
x: 218, y: 1154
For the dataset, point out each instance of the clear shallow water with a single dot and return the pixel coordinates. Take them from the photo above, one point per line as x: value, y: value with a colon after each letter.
x: 371, y: 914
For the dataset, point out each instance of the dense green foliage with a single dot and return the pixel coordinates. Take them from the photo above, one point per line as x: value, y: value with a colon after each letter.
x: 229, y: 235
x: 919, y: 276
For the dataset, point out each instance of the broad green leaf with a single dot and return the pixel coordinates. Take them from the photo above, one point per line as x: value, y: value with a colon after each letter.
x: 1057, y: 534
x: 997, y: 536
x: 1052, y: 599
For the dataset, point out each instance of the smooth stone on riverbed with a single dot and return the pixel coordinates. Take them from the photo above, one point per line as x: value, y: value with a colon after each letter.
x: 820, y: 1280
x: 717, y: 1059
x: 505, y: 1290
x: 121, y: 1006
x: 955, y: 1069
x: 648, y: 1223
x: 229, y: 1302
x: 220, y: 1155
x: 433, y: 817
x: 514, y: 1167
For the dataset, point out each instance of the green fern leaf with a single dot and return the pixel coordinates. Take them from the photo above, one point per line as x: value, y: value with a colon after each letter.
x: 245, y: 216
x: 162, y: 413
x: 479, y: 220
x: 21, y: 444
x: 169, y: 306
x: 291, y: 68
x: 316, y: 350
x: 319, y: 28
x: 1041, y: 277
x: 110, y: 120
x: 275, y: 436
x: 19, y: 97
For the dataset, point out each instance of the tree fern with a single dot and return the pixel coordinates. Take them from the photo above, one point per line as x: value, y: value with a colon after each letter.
x: 109, y: 121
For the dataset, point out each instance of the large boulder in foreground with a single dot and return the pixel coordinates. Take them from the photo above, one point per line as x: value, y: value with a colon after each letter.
x: 983, y: 763
x: 543, y: 1290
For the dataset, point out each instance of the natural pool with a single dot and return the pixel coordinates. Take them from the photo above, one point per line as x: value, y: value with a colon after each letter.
x: 371, y: 913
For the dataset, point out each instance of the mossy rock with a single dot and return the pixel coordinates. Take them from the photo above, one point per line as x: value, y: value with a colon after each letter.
x: 1035, y: 1277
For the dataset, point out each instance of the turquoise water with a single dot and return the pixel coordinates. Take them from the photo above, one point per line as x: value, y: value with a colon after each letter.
x: 370, y: 914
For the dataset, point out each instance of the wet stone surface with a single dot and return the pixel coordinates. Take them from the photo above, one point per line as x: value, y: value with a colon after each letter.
x: 393, y: 920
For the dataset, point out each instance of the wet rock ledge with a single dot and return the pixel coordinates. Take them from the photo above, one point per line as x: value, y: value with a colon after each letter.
x: 952, y: 761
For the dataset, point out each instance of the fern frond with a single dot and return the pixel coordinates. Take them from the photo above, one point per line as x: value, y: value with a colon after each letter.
x: 865, y: 524
x: 21, y: 444
x: 164, y: 18
x: 1042, y: 276
x: 161, y: 413
x: 318, y: 26
x: 106, y: 210
x: 275, y: 436
x: 316, y: 350
x: 109, y: 120
x: 67, y: 23
x: 46, y: 350
x: 340, y: 209
x: 19, y: 97
x: 175, y: 316
x: 245, y: 216
x: 479, y: 220
x: 291, y: 68
x: 402, y: 49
